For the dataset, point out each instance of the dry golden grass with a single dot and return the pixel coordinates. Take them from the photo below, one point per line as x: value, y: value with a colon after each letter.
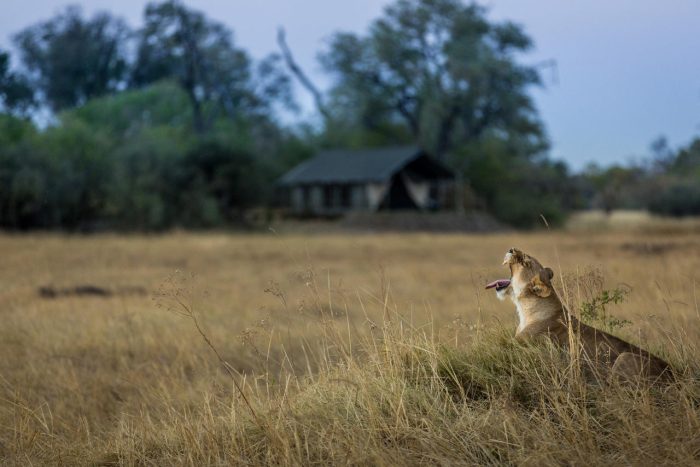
x: 365, y: 349
x: 627, y: 220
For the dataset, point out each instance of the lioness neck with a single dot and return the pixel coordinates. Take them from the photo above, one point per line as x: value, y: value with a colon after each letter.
x: 538, y: 312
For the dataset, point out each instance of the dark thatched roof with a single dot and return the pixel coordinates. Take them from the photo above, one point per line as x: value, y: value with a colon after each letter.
x: 364, y: 166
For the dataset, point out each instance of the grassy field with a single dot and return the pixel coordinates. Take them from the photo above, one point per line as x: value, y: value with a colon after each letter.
x: 215, y: 349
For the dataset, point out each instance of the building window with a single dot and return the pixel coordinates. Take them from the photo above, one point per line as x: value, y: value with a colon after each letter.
x: 337, y: 197
x: 346, y: 196
x: 306, y: 197
x: 328, y: 197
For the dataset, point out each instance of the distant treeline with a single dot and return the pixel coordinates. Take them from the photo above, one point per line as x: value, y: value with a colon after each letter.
x: 172, y: 124
x: 665, y: 183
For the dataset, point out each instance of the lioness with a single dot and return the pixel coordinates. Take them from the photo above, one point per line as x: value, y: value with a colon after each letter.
x: 541, y: 312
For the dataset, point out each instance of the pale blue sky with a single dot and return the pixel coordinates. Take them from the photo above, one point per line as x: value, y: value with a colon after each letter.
x: 629, y: 70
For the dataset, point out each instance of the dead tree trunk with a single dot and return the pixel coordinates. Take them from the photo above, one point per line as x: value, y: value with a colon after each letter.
x: 300, y: 75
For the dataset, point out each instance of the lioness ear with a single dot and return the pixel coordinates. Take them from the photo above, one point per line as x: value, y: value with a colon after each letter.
x: 546, y: 275
x: 539, y: 287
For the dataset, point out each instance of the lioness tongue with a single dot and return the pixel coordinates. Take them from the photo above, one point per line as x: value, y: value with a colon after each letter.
x: 499, y: 284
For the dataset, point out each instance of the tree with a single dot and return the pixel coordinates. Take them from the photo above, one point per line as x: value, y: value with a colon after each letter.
x: 16, y: 96
x: 662, y: 155
x: 687, y: 160
x: 450, y: 78
x: 71, y: 59
x: 56, y: 178
x: 143, y: 192
x: 619, y: 187
x: 443, y: 70
x: 218, y: 183
x: 182, y: 44
x: 126, y: 114
x: 678, y: 186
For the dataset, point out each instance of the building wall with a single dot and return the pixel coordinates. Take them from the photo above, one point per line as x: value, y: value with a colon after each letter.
x: 375, y: 194
x: 337, y: 199
x: 297, y: 199
x: 359, y: 197
x: 328, y: 199
x: 419, y: 191
x: 316, y: 199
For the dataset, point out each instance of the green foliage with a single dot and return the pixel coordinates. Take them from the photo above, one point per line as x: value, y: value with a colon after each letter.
x: 347, y: 134
x: 15, y: 129
x: 141, y: 192
x: 516, y: 189
x: 667, y: 184
x: 594, y: 312
x: 618, y: 187
x: 218, y: 78
x: 678, y: 192
x: 24, y: 190
x: 128, y: 113
x: 679, y: 198
x: 438, y: 67
x: 132, y: 161
x: 218, y: 183
x: 16, y: 95
x: 439, y: 73
x: 57, y: 178
x: 687, y: 160
x: 72, y: 59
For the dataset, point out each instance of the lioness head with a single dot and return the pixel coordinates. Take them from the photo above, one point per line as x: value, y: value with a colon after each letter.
x: 527, y: 277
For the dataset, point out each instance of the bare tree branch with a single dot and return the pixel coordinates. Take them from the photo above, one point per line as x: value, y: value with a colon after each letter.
x: 300, y: 75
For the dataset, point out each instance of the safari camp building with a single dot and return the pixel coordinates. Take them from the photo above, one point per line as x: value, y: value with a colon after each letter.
x: 337, y: 181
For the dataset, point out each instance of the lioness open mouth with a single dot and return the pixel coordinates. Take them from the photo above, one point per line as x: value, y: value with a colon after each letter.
x: 500, y: 284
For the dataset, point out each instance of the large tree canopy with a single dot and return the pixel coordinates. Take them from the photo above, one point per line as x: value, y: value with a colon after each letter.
x: 440, y: 68
x: 441, y: 74
x: 71, y: 59
x: 16, y: 95
x: 183, y: 44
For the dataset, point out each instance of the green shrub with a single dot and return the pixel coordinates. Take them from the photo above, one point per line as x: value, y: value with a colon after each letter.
x: 679, y: 199
x: 594, y: 312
